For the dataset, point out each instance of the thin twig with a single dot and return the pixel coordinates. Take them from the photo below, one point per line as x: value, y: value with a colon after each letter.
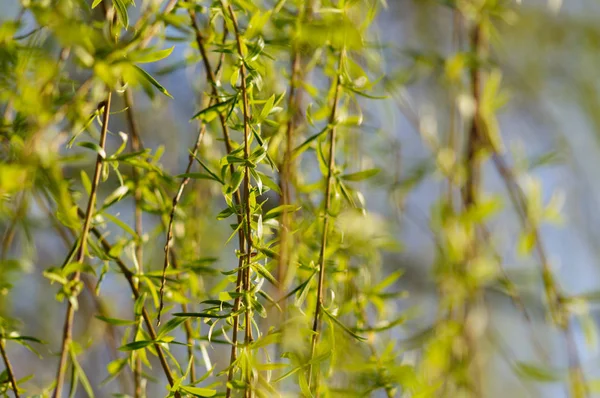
x: 176, y: 200
x: 287, y: 173
x: 9, y: 370
x: 187, y: 325
x: 329, y: 184
x: 553, y: 294
x: 87, y: 220
x: 136, y: 145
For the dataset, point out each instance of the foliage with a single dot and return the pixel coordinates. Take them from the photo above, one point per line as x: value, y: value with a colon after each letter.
x: 257, y: 268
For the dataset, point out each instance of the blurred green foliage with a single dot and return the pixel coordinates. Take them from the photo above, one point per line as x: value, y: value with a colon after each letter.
x: 256, y: 261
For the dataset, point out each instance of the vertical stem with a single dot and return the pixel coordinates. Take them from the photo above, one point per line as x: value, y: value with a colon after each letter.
x: 329, y: 183
x: 236, y: 197
x: 176, y: 199
x: 471, y: 193
x: 474, y: 138
x: 286, y: 180
x: 248, y: 188
x: 136, y: 145
x: 68, y: 325
x: 9, y: 369
x: 455, y: 118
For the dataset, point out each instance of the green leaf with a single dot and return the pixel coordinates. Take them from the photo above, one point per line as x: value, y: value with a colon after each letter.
x: 171, y: 325
x: 361, y: 175
x: 115, y: 321
x: 85, y: 181
x: 279, y: 210
x: 266, y: 109
x: 151, y: 56
x: 213, y: 175
x: 537, y: 373
x: 95, y: 3
x: 197, y: 176
x: 198, y: 391
x: 236, y: 181
x: 209, y: 114
x: 94, y: 147
x: 200, y: 315
x: 114, y: 368
x: 265, y: 273
x: 81, y: 375
x: 225, y: 213
x: 122, y: 12
x: 115, y: 196
x: 152, y: 81
x: 121, y: 224
x: 341, y: 325
x: 136, y: 345
x: 304, y: 146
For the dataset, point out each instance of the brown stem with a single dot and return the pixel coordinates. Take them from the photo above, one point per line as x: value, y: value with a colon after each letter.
x: 248, y: 188
x: 471, y: 195
x: 80, y: 257
x: 329, y: 183
x: 189, y: 333
x: 287, y: 177
x: 176, y: 200
x: 130, y: 277
x: 9, y: 369
x: 136, y: 145
x: 237, y: 197
x: 111, y: 335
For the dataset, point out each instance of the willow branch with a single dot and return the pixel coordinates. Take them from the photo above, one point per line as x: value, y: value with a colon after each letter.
x: 287, y: 173
x: 176, y: 200
x: 200, y: 41
x: 329, y: 184
x: 471, y: 192
x: 9, y: 370
x: 101, y: 308
x: 248, y: 188
x: 553, y: 294
x: 136, y: 145
x: 130, y: 276
x: 80, y: 256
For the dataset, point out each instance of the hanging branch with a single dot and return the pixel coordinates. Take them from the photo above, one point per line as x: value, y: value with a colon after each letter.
x: 248, y: 187
x: 287, y: 170
x: 80, y: 257
x: 44, y: 202
x: 176, y: 200
x: 472, y: 186
x: 329, y: 184
x: 200, y: 41
x: 136, y: 145
x: 187, y: 325
x: 554, y: 296
x: 130, y: 277
x: 9, y: 370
